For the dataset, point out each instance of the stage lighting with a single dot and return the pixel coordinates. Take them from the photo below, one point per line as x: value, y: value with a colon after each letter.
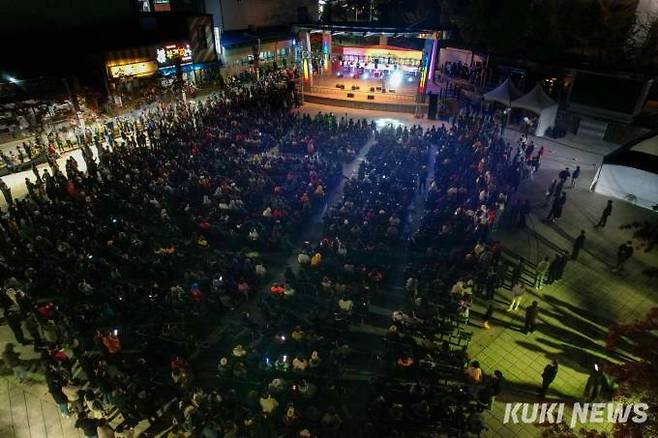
x: 396, y: 79
x: 410, y: 79
x: 365, y: 76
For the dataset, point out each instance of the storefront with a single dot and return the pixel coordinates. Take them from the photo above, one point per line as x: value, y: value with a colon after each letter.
x: 142, y: 72
x: 239, y: 51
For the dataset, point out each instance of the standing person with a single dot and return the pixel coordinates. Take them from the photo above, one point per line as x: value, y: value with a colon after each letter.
x: 574, y: 177
x: 605, y: 214
x: 550, y: 191
x: 531, y: 314
x: 578, y: 244
x: 553, y: 269
x: 518, y: 291
x: 517, y: 272
x: 564, y: 175
x: 547, y: 377
x: 524, y: 211
x: 624, y: 252
x: 556, y: 208
x: 541, y: 273
x: 562, y: 264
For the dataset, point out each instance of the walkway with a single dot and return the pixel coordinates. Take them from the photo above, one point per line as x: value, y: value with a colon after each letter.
x: 575, y: 313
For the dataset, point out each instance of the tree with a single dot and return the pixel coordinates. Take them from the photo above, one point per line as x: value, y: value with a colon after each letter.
x: 637, y: 379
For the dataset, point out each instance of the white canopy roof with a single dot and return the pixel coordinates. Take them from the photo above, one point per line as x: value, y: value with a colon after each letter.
x: 536, y: 101
x: 505, y: 93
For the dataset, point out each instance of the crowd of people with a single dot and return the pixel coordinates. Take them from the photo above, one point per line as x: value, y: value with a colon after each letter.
x: 472, y: 73
x: 151, y: 275
x: 121, y: 271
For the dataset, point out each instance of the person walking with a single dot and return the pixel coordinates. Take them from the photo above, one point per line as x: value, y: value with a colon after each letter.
x: 556, y: 208
x: 574, y: 177
x: 605, y: 214
x: 531, y: 314
x: 624, y: 252
x: 541, y: 273
x: 578, y: 244
x: 548, y: 376
x: 518, y: 291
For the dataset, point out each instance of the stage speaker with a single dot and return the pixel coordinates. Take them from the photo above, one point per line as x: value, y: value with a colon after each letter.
x: 351, y: 95
x: 433, y: 106
x: 391, y: 91
x: 371, y: 97
x: 379, y: 88
x: 355, y: 87
x: 372, y: 89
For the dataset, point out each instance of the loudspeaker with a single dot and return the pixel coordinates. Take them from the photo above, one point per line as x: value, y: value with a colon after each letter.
x: 371, y: 97
x: 350, y: 94
x: 433, y: 106
x: 372, y: 89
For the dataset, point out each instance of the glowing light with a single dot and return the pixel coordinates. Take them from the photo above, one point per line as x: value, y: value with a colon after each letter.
x: 365, y: 76
x: 396, y: 79
x: 12, y: 79
x: 410, y: 79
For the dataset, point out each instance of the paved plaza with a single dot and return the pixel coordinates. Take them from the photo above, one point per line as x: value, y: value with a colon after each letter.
x: 574, y: 317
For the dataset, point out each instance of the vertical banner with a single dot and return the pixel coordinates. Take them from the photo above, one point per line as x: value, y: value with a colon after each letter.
x: 427, y: 64
x: 326, y: 52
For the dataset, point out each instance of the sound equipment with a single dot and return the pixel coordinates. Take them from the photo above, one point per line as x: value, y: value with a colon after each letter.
x: 433, y: 106
x: 351, y: 95
x: 371, y: 97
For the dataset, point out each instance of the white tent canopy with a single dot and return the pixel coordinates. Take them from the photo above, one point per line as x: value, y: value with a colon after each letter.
x: 505, y: 93
x: 541, y: 104
x: 631, y: 172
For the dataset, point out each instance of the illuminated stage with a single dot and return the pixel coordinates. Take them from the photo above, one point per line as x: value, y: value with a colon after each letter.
x: 361, y: 69
x: 365, y: 94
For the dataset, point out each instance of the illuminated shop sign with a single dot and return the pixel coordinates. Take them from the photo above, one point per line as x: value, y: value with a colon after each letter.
x: 161, y: 5
x: 174, y: 54
x: 135, y: 69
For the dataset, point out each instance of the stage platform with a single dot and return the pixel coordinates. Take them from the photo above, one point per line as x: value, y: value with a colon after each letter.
x: 364, y: 94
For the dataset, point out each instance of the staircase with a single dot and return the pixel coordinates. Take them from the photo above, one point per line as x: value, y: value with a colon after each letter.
x: 592, y: 128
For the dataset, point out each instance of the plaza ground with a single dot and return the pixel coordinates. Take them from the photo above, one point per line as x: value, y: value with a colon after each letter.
x: 574, y: 316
